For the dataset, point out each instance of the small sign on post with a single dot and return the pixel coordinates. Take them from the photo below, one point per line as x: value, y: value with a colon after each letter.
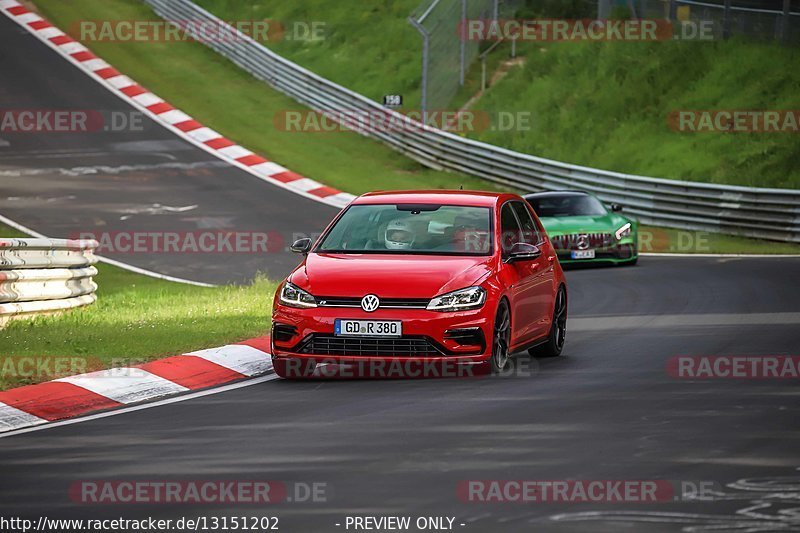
x: 393, y: 100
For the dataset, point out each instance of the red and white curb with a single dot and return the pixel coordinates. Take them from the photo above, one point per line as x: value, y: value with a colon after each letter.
x: 115, y: 388
x: 173, y: 119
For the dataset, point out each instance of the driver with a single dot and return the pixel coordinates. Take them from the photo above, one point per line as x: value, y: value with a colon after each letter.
x: 399, y: 235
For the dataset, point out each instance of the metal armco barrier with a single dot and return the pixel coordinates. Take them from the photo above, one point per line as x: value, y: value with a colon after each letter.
x: 45, y: 275
x: 746, y: 211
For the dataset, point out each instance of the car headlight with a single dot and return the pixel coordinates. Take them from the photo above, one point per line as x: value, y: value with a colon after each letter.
x: 623, y: 232
x: 461, y: 300
x: 294, y: 296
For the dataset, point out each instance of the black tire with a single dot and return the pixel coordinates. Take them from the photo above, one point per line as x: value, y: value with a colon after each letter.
x: 501, y: 339
x: 558, y: 331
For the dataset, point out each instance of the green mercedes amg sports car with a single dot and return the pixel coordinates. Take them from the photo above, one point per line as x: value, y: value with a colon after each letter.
x: 583, y: 230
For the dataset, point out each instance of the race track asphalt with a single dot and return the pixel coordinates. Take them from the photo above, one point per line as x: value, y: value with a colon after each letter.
x: 606, y: 410
x: 134, y: 181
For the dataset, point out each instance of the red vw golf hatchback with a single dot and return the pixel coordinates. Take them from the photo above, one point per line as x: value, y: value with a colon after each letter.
x: 421, y: 283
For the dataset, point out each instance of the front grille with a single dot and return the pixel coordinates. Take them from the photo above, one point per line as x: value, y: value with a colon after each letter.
x: 321, y: 344
x: 386, y: 303
x: 590, y: 240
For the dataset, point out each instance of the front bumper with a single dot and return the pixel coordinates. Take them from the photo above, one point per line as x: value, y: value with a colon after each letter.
x: 623, y: 252
x: 429, y: 337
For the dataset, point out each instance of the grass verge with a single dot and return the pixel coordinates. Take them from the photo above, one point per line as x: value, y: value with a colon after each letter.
x: 135, y: 319
x: 598, y: 104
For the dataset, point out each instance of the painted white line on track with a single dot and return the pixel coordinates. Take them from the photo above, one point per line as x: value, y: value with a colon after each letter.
x: 123, y: 410
x: 125, y: 266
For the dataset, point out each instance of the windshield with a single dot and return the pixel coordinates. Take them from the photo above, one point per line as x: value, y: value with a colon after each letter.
x: 572, y: 205
x: 411, y: 229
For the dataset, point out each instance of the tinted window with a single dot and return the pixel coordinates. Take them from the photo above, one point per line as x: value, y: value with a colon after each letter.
x: 509, y: 228
x: 567, y: 206
x: 411, y: 229
x: 530, y: 233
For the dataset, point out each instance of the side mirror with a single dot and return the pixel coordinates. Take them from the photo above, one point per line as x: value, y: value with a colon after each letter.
x: 616, y: 208
x: 523, y: 251
x: 301, y: 246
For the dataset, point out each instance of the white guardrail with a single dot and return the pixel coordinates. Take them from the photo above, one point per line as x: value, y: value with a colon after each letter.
x: 45, y: 276
x: 746, y: 211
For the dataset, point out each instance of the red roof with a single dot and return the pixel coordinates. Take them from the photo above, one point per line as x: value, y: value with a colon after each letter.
x: 467, y: 198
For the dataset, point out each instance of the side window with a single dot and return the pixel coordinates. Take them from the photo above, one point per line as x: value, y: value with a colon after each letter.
x: 509, y: 228
x: 530, y: 233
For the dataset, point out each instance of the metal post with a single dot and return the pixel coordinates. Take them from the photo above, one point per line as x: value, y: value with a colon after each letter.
x: 787, y: 4
x: 496, y: 10
x: 726, y: 20
x: 424, y: 86
x: 673, y: 10
x: 632, y: 7
x: 463, y: 52
x: 603, y: 9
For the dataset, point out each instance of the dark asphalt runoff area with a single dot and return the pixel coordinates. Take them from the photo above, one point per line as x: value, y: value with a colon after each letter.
x: 139, y: 180
x: 608, y: 409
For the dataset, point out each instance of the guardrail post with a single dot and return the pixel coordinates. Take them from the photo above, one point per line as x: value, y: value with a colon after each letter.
x: 632, y: 7
x: 603, y: 9
x: 462, y: 44
x: 726, y: 20
x: 424, y: 83
x: 787, y: 5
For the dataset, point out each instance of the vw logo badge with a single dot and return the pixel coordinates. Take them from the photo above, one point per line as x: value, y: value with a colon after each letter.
x: 370, y: 303
x: 583, y: 242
